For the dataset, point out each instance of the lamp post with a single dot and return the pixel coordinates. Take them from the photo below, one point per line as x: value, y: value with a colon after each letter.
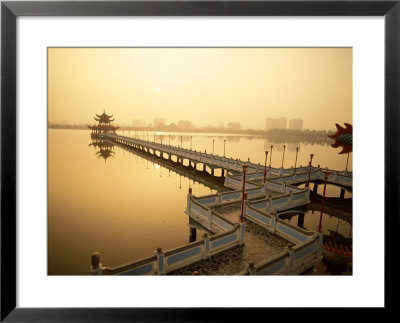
x: 213, y: 146
x: 224, y: 146
x: 181, y: 142
x: 270, y: 157
x: 191, y: 137
x: 347, y: 162
x: 265, y: 166
x: 326, y: 175
x: 161, y: 139
x: 169, y: 139
x: 309, y: 170
x: 243, y: 197
x: 295, y: 162
x: 283, y: 156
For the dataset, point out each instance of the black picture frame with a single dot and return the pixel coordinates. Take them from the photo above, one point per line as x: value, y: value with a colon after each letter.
x: 10, y: 10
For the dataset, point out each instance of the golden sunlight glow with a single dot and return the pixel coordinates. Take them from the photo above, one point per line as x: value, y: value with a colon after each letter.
x: 203, y: 85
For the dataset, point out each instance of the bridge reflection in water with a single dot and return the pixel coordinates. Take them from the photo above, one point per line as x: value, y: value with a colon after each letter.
x: 309, y: 252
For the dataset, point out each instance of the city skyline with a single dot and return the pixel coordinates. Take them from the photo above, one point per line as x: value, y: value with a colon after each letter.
x: 160, y: 124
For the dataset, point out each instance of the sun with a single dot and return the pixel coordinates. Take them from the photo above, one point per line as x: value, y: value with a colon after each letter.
x: 157, y: 89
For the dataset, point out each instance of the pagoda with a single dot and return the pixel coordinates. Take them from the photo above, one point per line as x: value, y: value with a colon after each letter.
x: 104, y: 124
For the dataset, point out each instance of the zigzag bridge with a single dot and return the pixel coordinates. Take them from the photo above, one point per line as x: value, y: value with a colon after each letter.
x: 263, y: 201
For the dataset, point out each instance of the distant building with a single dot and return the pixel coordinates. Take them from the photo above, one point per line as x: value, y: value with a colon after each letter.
x: 138, y: 123
x: 275, y: 123
x: 159, y: 122
x: 233, y: 126
x: 185, y: 125
x: 296, y: 124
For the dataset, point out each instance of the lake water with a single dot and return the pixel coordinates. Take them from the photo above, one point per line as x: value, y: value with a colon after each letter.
x: 125, y: 206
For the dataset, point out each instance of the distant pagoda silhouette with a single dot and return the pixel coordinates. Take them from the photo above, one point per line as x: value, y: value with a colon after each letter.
x: 104, y: 124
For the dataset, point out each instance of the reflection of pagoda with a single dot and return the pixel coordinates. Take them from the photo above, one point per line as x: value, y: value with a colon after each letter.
x: 104, y: 125
x: 106, y: 149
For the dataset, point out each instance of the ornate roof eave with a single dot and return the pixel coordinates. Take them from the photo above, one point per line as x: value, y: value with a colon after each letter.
x: 104, y: 115
x: 105, y: 120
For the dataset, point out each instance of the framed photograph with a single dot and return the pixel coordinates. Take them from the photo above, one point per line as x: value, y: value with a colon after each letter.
x: 148, y: 142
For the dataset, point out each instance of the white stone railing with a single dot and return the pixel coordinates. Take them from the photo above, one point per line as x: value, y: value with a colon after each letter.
x: 336, y: 177
x: 165, y: 262
x: 293, y: 261
x: 282, y: 202
x: 272, y: 223
x: 302, y: 256
x: 339, y: 178
x: 236, y: 182
x: 197, y: 156
x: 201, y: 209
x: 222, y: 198
x: 254, y: 170
x: 228, y: 235
x: 145, y: 266
x: 206, y: 216
x: 305, y: 252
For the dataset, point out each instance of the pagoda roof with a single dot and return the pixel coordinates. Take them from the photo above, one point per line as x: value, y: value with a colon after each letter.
x: 103, y: 118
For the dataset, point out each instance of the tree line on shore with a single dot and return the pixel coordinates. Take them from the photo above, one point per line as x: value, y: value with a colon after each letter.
x: 276, y: 135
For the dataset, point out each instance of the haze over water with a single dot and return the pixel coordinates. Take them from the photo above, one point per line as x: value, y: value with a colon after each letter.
x: 203, y: 85
x: 126, y: 207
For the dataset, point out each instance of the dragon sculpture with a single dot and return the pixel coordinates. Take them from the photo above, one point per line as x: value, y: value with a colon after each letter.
x: 343, y: 138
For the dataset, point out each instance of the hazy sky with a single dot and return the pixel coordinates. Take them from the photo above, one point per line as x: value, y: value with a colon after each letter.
x: 203, y: 85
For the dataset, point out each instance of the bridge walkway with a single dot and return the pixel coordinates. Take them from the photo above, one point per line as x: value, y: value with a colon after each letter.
x: 259, y: 245
x: 203, y: 177
x: 234, y: 165
x: 303, y: 251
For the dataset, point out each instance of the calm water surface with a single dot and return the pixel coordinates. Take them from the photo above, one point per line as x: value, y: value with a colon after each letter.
x: 125, y: 206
